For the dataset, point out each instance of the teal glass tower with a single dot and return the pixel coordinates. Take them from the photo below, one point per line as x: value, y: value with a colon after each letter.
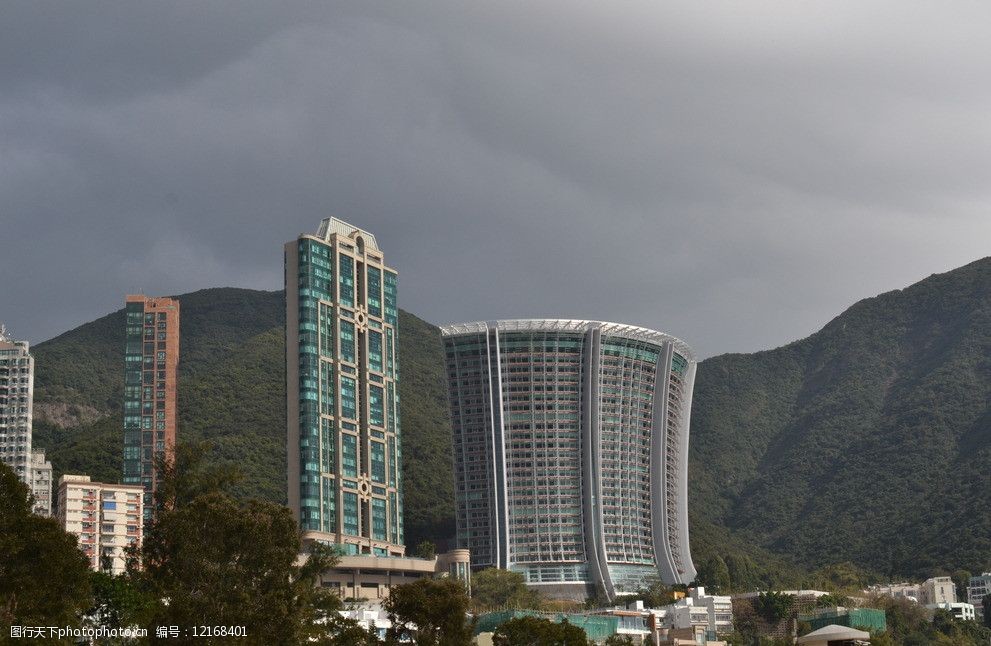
x: 342, y: 391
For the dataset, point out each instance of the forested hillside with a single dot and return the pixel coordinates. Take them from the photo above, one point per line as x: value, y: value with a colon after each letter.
x: 868, y: 442
x: 232, y: 392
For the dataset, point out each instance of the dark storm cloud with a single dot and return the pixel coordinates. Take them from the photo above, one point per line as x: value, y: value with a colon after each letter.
x: 734, y: 173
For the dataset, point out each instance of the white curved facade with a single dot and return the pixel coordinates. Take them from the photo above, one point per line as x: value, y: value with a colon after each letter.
x: 571, y: 451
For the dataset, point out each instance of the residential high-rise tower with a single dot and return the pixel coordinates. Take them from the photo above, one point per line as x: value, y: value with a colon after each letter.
x: 342, y: 391
x: 571, y: 452
x: 16, y: 414
x: 151, y: 359
x: 106, y: 518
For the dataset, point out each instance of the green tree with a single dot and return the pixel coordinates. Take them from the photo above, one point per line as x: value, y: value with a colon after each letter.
x: 219, y: 561
x: 433, y: 612
x: 882, y: 639
x: 714, y: 575
x: 426, y: 550
x: 655, y: 595
x: 348, y: 632
x: 832, y: 600
x: 907, y: 621
x: 773, y: 607
x: 190, y: 474
x: 537, y: 631
x: 961, y: 579
x: 44, y: 577
x: 743, y: 572
x: 986, y: 605
x: 209, y: 559
x: 619, y: 640
x: 118, y: 601
x: 949, y: 630
x: 496, y: 588
x: 841, y: 577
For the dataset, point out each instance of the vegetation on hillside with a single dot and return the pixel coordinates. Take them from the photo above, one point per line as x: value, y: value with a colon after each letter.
x: 44, y: 577
x: 232, y: 393
x: 866, y: 442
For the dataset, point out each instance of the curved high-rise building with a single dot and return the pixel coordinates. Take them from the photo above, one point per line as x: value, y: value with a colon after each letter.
x: 571, y: 452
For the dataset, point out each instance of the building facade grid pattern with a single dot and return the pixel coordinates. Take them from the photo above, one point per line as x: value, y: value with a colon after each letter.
x: 569, y: 440
x: 151, y: 359
x: 16, y: 422
x: 343, y: 423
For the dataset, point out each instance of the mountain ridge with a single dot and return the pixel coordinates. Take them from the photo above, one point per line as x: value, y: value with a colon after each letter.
x: 883, y: 388
x: 863, y: 442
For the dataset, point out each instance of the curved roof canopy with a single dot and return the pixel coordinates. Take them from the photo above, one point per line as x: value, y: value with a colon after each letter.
x: 833, y: 632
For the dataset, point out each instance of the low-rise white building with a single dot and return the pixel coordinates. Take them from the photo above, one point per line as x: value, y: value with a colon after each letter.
x: 902, y: 590
x: 960, y: 610
x: 370, y: 616
x: 714, y: 613
x: 107, y: 518
x: 937, y: 590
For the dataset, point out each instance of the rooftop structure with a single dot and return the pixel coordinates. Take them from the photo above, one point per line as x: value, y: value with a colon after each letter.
x: 865, y: 618
x: 363, y: 576
x: 834, y: 635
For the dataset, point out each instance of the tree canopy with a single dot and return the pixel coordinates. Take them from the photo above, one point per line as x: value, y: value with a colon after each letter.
x: 497, y: 588
x: 433, y: 612
x: 44, y: 577
x: 538, y: 631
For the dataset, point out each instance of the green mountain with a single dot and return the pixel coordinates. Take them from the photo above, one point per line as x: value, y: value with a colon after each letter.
x: 232, y: 392
x: 869, y: 441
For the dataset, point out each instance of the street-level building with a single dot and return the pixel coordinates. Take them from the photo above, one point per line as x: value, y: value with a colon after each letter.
x: 368, y: 577
x: 571, y: 452
x: 342, y: 391
x: 107, y: 519
x: 151, y: 360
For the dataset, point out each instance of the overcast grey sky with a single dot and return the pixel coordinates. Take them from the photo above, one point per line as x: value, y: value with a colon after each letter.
x: 734, y: 173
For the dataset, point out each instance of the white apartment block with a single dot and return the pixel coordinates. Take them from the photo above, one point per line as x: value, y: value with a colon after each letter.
x: 937, y: 590
x: 41, y: 482
x: 897, y: 590
x: 107, y: 518
x: 698, y: 610
x: 963, y: 611
x: 16, y: 402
